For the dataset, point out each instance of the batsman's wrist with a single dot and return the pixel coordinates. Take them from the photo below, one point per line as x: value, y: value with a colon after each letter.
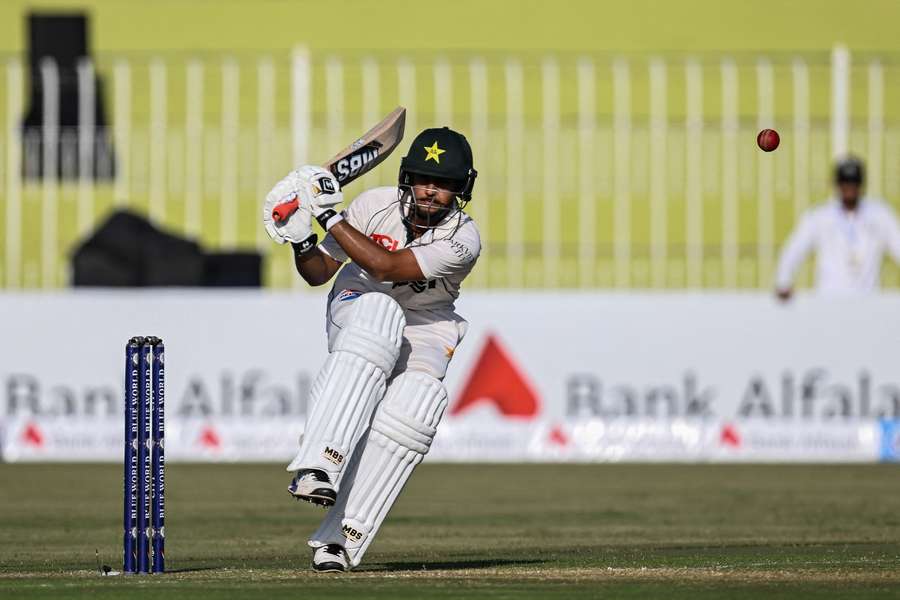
x: 307, y: 245
x: 328, y: 218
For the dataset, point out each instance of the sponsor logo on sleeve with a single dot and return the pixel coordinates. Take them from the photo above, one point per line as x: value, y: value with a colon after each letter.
x: 385, y: 241
x: 346, y: 295
x: 416, y: 286
x: 461, y: 250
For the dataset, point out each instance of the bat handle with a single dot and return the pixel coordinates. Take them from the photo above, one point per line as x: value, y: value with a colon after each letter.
x: 284, y: 210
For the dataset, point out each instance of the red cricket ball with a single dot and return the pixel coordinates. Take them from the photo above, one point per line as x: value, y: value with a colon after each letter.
x: 768, y: 140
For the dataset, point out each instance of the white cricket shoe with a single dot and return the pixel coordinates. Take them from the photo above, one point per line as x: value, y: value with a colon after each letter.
x: 329, y: 558
x: 313, y: 486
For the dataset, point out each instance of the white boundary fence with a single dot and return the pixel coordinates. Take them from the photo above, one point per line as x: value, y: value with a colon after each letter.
x: 596, y: 171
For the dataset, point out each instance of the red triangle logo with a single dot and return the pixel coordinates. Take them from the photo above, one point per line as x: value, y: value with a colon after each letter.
x: 558, y: 437
x: 730, y: 436
x: 32, y: 436
x: 497, y: 380
x: 209, y: 438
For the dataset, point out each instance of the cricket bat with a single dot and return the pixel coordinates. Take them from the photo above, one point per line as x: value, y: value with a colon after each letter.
x: 358, y: 158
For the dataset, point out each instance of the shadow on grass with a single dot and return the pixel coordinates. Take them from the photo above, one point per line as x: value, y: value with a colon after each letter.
x: 451, y: 565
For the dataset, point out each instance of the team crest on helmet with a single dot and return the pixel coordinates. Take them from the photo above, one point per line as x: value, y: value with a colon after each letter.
x: 434, y: 152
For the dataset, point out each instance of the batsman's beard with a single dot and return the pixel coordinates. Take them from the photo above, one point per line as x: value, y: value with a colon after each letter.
x: 425, y: 213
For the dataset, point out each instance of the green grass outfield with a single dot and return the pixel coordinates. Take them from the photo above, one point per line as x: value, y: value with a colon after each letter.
x: 510, y: 531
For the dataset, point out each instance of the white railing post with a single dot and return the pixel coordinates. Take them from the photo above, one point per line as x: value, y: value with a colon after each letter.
x: 443, y: 93
x: 479, y: 111
x: 765, y: 236
x: 551, y: 180
x: 14, y: 108
x: 371, y: 87
x: 334, y: 103
x: 694, y: 175
x: 193, y: 140
x: 265, y: 134
x: 622, y: 173
x: 50, y: 147
x: 730, y: 240
x: 406, y: 90
x: 231, y: 87
x: 659, y: 122
x: 122, y: 130
x: 86, y: 144
x: 587, y: 211
x: 176, y: 161
x: 371, y: 106
x: 158, y: 138
x: 876, y: 129
x: 515, y: 202
x: 801, y: 136
x: 840, y: 101
x: 301, y: 118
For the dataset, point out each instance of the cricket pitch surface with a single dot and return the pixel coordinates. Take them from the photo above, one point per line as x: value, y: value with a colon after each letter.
x: 473, y: 531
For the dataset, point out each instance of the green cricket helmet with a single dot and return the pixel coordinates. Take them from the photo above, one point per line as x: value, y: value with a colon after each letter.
x: 440, y: 152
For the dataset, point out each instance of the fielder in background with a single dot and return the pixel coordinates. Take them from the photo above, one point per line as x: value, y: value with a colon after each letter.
x: 849, y: 233
x: 391, y: 327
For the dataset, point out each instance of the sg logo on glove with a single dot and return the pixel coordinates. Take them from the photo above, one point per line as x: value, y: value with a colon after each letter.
x: 324, y: 186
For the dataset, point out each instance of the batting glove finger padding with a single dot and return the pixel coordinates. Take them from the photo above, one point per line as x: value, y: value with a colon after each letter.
x: 297, y: 227
x: 324, y: 194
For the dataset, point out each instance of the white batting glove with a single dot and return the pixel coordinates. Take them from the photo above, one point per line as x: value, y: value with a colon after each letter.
x: 324, y: 194
x: 297, y: 227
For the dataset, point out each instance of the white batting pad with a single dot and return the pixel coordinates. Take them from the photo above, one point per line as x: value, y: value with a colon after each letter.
x: 402, y: 430
x: 350, y: 384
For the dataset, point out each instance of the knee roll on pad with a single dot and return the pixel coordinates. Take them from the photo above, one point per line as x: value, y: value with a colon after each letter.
x: 350, y: 383
x: 402, y: 430
x: 409, y: 415
x: 374, y: 331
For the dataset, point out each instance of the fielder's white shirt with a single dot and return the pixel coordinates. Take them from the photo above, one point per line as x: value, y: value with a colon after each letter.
x: 849, y: 246
x: 446, y: 254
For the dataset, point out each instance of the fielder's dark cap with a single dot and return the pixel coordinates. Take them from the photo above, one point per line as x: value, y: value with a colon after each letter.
x: 849, y: 170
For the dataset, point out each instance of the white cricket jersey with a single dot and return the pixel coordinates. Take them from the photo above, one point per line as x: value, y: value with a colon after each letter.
x: 446, y: 254
x: 849, y: 246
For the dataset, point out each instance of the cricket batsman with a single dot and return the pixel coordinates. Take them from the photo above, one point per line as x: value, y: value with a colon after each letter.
x: 400, y: 254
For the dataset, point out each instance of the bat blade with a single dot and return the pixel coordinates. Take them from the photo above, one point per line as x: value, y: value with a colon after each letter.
x: 370, y: 150
x: 360, y: 157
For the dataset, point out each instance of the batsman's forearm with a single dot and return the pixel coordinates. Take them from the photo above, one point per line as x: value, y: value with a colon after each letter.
x: 363, y: 251
x: 314, y: 266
